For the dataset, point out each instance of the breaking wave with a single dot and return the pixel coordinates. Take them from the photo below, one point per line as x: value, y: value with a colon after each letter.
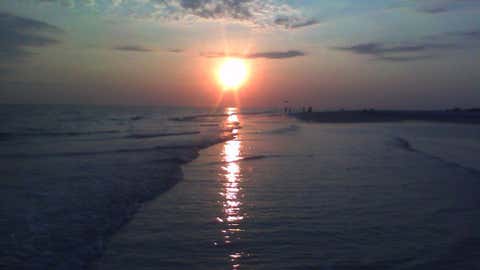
x: 204, y: 117
x: 12, y: 135
x: 406, y: 145
x: 283, y: 130
x: 403, y: 144
x: 154, y: 135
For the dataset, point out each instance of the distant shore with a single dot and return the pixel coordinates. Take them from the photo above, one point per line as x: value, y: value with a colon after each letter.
x: 380, y: 116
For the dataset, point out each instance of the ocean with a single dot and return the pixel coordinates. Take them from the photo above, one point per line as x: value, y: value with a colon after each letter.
x: 98, y: 187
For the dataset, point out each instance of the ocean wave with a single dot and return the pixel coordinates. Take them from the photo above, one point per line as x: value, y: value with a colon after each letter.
x: 407, y: 146
x: 403, y: 144
x: 199, y: 144
x: 214, y: 115
x: 196, y: 117
x: 12, y: 135
x: 71, y: 222
x: 257, y: 157
x: 154, y: 135
x: 82, y: 215
x: 282, y: 130
x: 231, y: 127
x: 137, y: 117
x: 247, y: 158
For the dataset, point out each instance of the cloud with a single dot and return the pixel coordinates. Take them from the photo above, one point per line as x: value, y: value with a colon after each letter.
x: 380, y: 48
x: 71, y: 3
x: 405, y: 58
x: 266, y: 55
x: 294, y: 22
x: 132, y: 48
x: 442, y: 6
x: 259, y: 13
x: 277, y: 55
x: 434, y: 10
x: 18, y: 33
x: 471, y: 34
x: 175, y: 50
x: 397, y: 53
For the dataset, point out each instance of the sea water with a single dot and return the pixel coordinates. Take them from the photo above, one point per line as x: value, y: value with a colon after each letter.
x: 289, y: 195
x: 73, y: 175
x: 114, y: 188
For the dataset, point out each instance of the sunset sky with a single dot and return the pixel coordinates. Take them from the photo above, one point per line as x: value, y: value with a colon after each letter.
x: 401, y: 54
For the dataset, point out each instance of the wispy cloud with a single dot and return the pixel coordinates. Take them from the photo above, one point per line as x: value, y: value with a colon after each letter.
x: 173, y: 50
x: 19, y: 33
x: 380, y: 48
x: 290, y: 23
x: 277, y: 54
x: 471, y: 34
x: 73, y: 3
x: 398, y: 52
x: 442, y: 6
x: 404, y: 58
x: 267, y: 55
x: 264, y: 13
x: 132, y: 48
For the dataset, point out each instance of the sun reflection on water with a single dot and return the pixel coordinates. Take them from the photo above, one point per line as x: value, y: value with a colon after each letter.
x: 231, y: 192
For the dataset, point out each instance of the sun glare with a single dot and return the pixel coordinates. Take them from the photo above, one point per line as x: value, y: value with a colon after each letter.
x: 232, y: 73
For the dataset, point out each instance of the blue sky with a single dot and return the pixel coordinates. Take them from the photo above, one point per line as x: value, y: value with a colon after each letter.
x: 329, y: 54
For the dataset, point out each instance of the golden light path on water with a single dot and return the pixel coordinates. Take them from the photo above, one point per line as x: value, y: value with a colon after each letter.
x: 231, y: 192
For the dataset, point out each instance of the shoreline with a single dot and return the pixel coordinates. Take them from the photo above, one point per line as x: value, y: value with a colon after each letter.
x: 175, y: 176
x: 90, y: 217
x: 374, y: 116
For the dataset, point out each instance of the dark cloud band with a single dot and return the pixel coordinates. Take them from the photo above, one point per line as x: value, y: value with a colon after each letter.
x: 19, y: 33
x: 380, y: 48
x: 398, y: 53
x: 132, y: 48
x: 267, y: 55
x: 443, y: 6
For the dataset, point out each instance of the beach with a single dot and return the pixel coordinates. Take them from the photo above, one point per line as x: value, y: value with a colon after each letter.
x: 239, y: 135
x: 238, y: 190
x: 291, y: 195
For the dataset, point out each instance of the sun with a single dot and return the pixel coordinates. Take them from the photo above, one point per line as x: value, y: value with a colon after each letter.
x: 232, y: 73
